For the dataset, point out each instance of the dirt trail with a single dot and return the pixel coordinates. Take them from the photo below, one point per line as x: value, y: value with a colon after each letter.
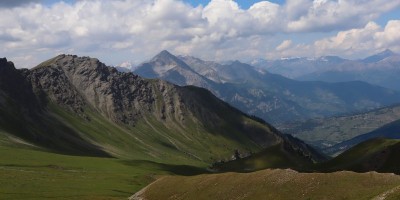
x: 385, y: 194
x: 139, y: 195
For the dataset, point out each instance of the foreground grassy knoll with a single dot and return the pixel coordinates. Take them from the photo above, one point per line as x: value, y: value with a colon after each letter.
x: 33, y: 174
x: 275, y: 184
x: 27, y: 172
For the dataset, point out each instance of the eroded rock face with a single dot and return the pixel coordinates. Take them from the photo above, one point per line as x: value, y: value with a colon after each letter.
x: 76, y: 82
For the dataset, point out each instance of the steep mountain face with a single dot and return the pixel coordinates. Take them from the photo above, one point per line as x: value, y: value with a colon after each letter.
x: 24, y: 115
x: 331, y: 135
x: 231, y: 72
x: 273, y: 97
x: 77, y: 105
x: 168, y: 67
x: 207, y: 69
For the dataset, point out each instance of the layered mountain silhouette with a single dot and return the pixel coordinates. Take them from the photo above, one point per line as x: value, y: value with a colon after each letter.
x: 380, y: 69
x: 78, y: 105
x: 272, y: 97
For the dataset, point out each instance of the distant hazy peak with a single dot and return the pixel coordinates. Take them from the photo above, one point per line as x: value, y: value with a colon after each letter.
x: 163, y: 55
x: 379, y: 56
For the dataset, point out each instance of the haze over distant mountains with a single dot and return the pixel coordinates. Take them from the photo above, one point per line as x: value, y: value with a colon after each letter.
x: 270, y: 96
x: 336, y: 134
x: 381, y: 69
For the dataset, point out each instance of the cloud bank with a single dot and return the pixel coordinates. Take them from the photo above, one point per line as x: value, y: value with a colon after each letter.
x: 120, y: 30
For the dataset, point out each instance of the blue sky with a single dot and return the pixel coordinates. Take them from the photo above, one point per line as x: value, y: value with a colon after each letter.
x: 121, y: 31
x: 243, y: 3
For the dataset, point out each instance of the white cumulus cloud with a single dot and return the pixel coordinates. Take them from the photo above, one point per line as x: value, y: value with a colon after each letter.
x: 284, y: 45
x: 119, y: 30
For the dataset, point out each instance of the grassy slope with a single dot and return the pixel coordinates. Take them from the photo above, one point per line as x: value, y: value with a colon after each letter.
x: 31, y: 174
x: 377, y: 154
x: 188, y: 142
x: 152, y: 139
x: 275, y: 184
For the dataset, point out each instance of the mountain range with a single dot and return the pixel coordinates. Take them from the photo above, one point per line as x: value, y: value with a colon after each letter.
x: 81, y: 129
x: 381, y: 69
x: 271, y: 97
x: 77, y: 105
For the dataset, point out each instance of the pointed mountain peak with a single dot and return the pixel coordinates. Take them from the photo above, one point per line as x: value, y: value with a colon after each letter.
x: 164, y: 54
x: 379, y: 56
x: 160, y: 64
x: 387, y: 52
x: 166, y: 58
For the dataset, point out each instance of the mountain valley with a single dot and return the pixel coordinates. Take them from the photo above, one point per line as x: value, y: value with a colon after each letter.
x: 336, y: 134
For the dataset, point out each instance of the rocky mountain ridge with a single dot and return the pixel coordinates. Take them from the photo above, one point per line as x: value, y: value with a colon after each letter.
x: 86, y: 106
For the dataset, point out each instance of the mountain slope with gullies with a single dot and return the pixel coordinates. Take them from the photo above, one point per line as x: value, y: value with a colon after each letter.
x: 77, y: 105
x: 272, y: 97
